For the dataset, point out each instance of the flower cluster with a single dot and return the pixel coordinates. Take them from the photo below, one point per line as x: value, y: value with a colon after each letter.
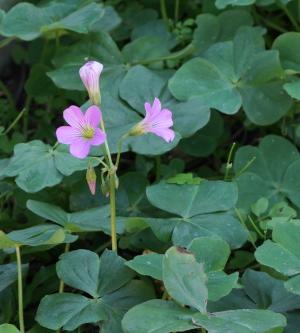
x: 83, y: 131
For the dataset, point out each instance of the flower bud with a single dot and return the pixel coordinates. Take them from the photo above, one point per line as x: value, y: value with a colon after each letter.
x: 90, y: 75
x: 91, y: 179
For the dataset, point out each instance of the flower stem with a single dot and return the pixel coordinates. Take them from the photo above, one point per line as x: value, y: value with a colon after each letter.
x: 6, y: 41
x: 164, y: 13
x: 11, y: 126
x: 289, y: 15
x: 176, y: 11
x: 120, y: 143
x: 112, y: 192
x: 20, y: 290
x: 239, y: 215
x: 229, y: 162
x: 189, y: 49
x: 112, y: 196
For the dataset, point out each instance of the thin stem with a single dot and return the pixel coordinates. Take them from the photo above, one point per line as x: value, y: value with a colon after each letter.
x: 20, y: 290
x: 26, y: 115
x: 6, y: 41
x: 239, y: 215
x: 120, y: 144
x: 255, y: 227
x: 245, y: 167
x: 176, y: 10
x: 189, y: 49
x: 164, y: 14
x: 107, y: 151
x: 8, y: 95
x: 61, y: 283
x: 229, y: 162
x: 112, y: 196
x: 11, y: 126
x: 289, y: 15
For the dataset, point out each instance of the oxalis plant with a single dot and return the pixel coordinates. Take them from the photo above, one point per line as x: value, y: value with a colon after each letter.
x: 168, y: 200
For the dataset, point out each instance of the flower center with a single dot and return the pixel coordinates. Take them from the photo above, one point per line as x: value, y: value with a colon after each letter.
x: 88, y: 132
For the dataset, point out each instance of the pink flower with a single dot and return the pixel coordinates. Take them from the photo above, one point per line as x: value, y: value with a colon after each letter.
x: 90, y: 75
x: 83, y: 131
x: 157, y: 121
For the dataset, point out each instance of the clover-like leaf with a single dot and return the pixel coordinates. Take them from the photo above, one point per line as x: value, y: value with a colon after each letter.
x: 282, y: 254
x: 29, y: 22
x: 235, y: 74
x: 9, y: 275
x: 93, y: 219
x: 36, y: 165
x: 164, y: 317
x: 272, y: 173
x: 106, y: 279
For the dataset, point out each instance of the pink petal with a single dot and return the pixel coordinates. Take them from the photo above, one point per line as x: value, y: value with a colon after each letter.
x: 166, y: 133
x: 163, y: 119
x: 67, y: 134
x: 74, y: 117
x: 152, y: 110
x: 99, y: 138
x: 93, y: 116
x: 80, y: 148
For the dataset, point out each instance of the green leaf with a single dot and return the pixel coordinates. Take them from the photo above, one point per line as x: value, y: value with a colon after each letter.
x: 242, y: 321
x: 37, y: 166
x: 68, y: 311
x: 271, y: 175
x: 106, y: 279
x: 45, y: 234
x: 282, y: 253
x: 94, y: 219
x: 268, y: 292
x: 184, y: 278
x: 288, y: 46
x: 182, y: 231
x: 163, y: 317
x: 158, y: 316
x: 184, y: 178
x: 211, y: 251
x: 293, y: 89
x: 220, y: 284
x: 29, y: 22
x: 9, y: 275
x: 7, y: 328
x: 94, y: 276
x: 238, y: 73
x: 147, y: 264
x: 221, y: 4
x: 191, y: 200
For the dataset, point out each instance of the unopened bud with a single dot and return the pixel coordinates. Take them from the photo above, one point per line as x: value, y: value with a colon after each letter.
x: 91, y: 178
x: 90, y: 75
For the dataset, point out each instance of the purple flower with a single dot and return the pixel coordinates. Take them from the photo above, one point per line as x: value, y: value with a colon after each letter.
x: 90, y: 75
x: 157, y: 121
x: 83, y: 131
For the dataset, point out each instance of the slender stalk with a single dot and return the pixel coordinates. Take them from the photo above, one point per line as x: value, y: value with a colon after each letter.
x: 229, y: 162
x: 176, y: 10
x: 61, y: 282
x: 289, y: 15
x: 11, y: 126
x: 245, y: 167
x: 189, y: 49
x: 120, y: 144
x: 255, y: 227
x: 6, y: 41
x: 20, y: 290
x: 164, y: 14
x: 26, y: 115
x: 112, y: 196
x: 8, y: 95
x: 237, y: 212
